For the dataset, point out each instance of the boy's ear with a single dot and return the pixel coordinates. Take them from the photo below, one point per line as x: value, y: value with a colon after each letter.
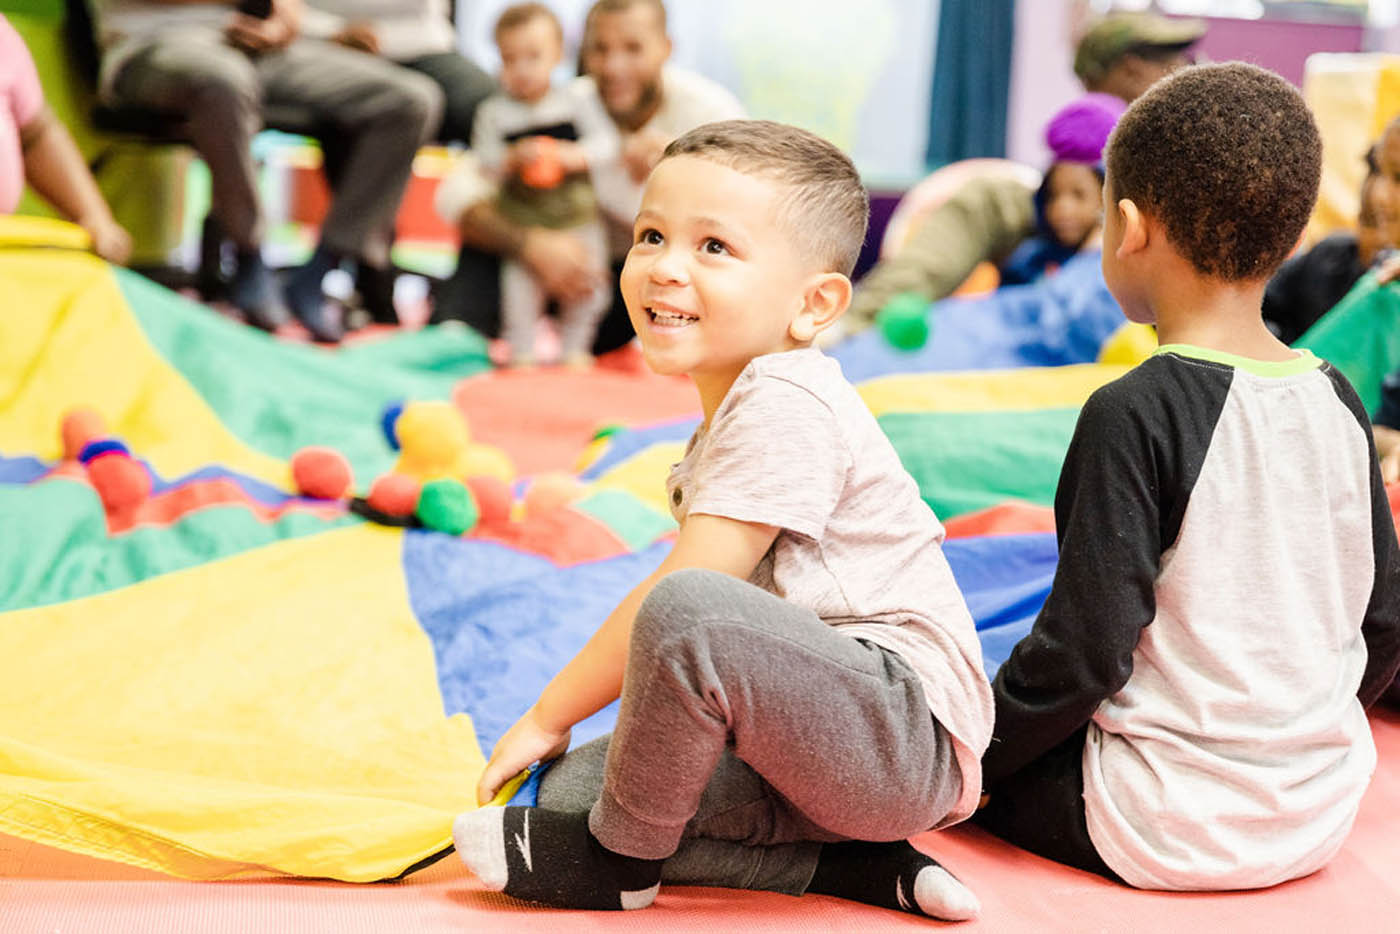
x: 1134, y: 226
x: 825, y: 300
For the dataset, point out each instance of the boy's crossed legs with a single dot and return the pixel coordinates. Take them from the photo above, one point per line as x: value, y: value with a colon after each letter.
x: 746, y: 724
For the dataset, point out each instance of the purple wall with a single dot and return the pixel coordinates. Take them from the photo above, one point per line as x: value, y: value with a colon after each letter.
x: 1281, y: 46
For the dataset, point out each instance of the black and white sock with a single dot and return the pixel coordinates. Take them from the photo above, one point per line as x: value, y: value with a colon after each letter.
x: 892, y: 875
x: 551, y: 857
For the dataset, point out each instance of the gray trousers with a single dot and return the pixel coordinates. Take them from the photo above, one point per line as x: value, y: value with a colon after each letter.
x: 749, y: 733
x: 382, y: 112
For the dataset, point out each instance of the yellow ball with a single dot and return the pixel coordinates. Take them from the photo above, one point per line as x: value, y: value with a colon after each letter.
x: 432, y: 439
x: 1129, y: 345
x: 486, y: 460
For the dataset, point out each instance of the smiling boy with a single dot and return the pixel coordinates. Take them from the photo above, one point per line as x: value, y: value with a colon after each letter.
x: 801, y: 671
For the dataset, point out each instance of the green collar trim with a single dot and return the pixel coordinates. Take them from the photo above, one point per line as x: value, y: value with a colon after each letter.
x: 1304, y: 362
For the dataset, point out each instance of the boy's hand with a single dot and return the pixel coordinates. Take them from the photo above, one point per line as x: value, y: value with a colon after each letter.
x: 524, y: 744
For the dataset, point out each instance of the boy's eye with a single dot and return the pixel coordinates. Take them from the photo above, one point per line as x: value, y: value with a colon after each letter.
x: 650, y: 236
x: 714, y: 247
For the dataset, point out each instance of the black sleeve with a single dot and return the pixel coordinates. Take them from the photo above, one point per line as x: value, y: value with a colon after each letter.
x: 1080, y: 650
x: 1381, y: 625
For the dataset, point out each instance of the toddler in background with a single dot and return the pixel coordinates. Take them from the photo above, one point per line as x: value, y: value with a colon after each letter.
x: 803, y: 684
x: 535, y: 142
x: 1069, y: 203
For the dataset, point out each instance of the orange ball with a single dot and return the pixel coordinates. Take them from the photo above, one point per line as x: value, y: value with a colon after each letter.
x: 322, y: 473
x: 493, y: 498
x: 545, y: 170
x: 395, y: 494
x: 79, y: 427
x: 120, y: 481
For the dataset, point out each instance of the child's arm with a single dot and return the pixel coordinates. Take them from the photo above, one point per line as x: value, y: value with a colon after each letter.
x: 1381, y: 625
x: 1080, y: 650
x: 593, y: 679
x: 55, y: 169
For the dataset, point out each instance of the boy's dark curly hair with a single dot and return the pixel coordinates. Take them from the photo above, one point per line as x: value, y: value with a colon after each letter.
x: 1227, y: 158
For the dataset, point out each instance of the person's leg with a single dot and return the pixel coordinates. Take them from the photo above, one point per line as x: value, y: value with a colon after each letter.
x: 522, y: 304
x: 578, y: 321
x: 838, y: 730
x: 382, y: 114
x: 464, y: 86
x: 472, y: 294
x: 218, y: 91
x: 615, y: 329
x: 574, y: 782
x: 1041, y: 809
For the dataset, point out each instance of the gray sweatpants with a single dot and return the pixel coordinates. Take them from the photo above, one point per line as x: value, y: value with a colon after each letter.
x: 382, y: 112
x: 749, y: 733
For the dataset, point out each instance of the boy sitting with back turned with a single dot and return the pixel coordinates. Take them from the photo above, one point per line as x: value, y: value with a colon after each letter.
x: 1188, y: 711
x: 801, y: 669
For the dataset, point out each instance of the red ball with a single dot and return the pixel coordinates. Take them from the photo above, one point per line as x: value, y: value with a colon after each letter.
x: 322, y: 473
x: 395, y: 494
x: 121, y: 483
x: 493, y: 498
x: 79, y: 427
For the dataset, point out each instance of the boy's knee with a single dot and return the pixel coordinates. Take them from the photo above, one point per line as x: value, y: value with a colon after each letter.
x: 677, y: 602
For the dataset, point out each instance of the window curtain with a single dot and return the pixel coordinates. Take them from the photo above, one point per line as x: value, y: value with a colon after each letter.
x: 971, y: 80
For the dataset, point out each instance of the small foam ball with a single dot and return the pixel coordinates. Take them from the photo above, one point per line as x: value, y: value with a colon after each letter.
x: 551, y: 492
x: 395, y: 494
x: 121, y: 482
x: 486, y: 460
x: 493, y: 498
x: 432, y: 439
x: 100, y: 448
x: 79, y: 427
x: 322, y: 473
x: 545, y: 170
x: 447, y: 506
x: 904, y: 321
x: 388, y: 421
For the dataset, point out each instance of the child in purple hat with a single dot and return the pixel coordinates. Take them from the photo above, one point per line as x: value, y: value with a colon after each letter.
x: 1069, y: 203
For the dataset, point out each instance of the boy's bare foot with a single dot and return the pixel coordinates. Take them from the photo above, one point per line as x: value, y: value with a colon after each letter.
x: 551, y: 857
x: 892, y: 875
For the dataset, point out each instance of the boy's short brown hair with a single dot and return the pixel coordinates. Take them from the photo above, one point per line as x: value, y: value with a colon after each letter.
x: 518, y: 14
x: 827, y: 208
x: 1227, y: 158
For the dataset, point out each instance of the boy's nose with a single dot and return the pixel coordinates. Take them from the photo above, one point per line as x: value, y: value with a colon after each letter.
x: 668, y: 267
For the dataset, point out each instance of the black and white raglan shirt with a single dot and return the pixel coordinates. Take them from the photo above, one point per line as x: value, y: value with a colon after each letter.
x: 1227, y: 602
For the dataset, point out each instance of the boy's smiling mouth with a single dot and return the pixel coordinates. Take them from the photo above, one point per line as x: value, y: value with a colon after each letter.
x: 667, y: 317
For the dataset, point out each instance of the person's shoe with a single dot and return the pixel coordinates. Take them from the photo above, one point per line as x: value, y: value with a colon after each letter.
x: 376, y: 289
x: 308, y: 301
x: 254, y: 292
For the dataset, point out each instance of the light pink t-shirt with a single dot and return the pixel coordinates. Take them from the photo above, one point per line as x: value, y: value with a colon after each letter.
x: 793, y: 445
x: 21, y: 100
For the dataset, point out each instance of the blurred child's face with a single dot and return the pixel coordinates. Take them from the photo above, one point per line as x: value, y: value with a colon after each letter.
x: 529, y: 54
x: 624, y: 51
x: 1073, y: 203
x: 713, y: 278
x: 1376, y: 225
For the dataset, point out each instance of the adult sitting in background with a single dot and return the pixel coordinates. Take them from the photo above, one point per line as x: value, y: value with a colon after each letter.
x: 219, y: 69
x: 416, y: 34
x: 36, y: 148
x: 647, y: 103
x: 986, y: 219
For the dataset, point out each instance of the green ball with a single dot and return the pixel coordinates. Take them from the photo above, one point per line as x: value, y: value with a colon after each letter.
x: 447, y: 506
x: 904, y: 321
